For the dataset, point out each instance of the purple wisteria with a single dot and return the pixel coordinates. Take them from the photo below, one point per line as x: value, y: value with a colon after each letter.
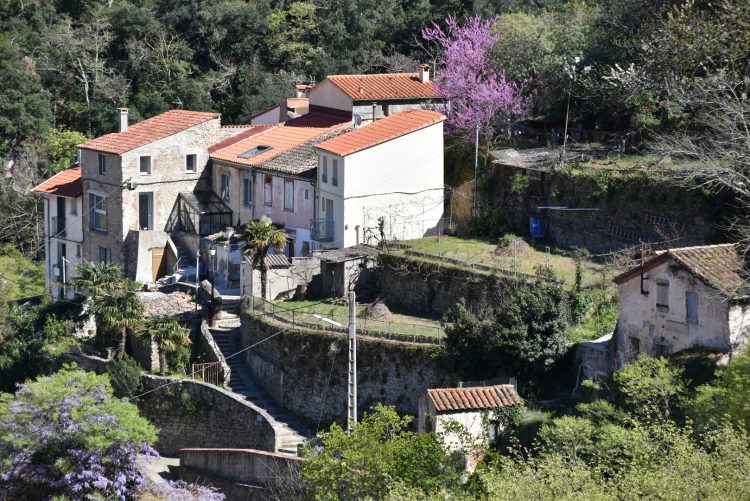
x: 183, y: 491
x: 477, y: 95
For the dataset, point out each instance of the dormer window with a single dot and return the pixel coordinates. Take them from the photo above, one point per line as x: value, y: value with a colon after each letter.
x: 255, y: 151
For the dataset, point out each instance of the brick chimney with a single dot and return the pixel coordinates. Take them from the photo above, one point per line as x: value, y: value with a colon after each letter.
x: 123, y: 119
x: 424, y: 73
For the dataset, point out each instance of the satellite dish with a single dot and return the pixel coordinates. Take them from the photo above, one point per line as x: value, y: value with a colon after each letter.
x: 357, y: 119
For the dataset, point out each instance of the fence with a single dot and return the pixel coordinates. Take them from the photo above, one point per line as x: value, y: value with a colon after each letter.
x: 210, y: 373
x: 384, y: 329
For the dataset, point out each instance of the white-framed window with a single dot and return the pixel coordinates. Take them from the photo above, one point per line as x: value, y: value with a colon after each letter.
x: 191, y: 162
x: 289, y: 195
x: 146, y: 211
x: 74, y: 206
x: 105, y: 255
x: 268, y: 190
x: 247, y: 191
x: 225, y: 186
x: 99, y: 212
x: 324, y: 176
x: 662, y: 294
x: 102, y: 163
x: 144, y: 165
x: 335, y: 176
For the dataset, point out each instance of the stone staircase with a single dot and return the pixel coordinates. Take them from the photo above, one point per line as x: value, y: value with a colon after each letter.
x: 226, y: 333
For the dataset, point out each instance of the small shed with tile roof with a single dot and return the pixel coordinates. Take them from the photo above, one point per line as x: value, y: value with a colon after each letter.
x: 683, y: 298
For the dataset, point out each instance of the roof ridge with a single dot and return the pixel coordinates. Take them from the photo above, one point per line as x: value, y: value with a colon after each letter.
x: 359, y: 75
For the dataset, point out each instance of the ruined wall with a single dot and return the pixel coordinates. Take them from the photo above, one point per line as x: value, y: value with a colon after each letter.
x: 305, y: 372
x: 195, y: 414
x: 626, y: 208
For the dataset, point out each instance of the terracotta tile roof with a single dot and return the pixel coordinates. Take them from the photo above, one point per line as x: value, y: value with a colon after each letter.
x: 301, y: 161
x: 236, y: 126
x: 147, y: 131
x: 63, y: 184
x: 474, y: 398
x: 718, y: 266
x: 281, y: 138
x: 252, y: 130
x: 381, y: 131
x: 384, y: 86
x: 297, y: 102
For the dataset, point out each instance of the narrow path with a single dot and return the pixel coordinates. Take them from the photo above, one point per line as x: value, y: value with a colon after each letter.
x: 227, y: 334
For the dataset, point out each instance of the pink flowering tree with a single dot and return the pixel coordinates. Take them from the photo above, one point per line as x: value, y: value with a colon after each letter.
x: 475, y: 93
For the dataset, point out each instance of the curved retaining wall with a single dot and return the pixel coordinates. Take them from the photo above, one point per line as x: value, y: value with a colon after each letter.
x: 195, y: 414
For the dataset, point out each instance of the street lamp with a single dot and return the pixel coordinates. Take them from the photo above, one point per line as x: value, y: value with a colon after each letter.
x: 212, y: 251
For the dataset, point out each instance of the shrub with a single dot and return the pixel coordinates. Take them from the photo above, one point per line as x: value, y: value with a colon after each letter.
x: 125, y: 376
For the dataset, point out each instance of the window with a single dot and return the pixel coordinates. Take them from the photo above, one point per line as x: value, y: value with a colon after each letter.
x: 322, y: 204
x: 660, y: 349
x: 255, y: 151
x: 78, y: 251
x: 289, y: 195
x: 268, y: 190
x: 691, y: 307
x: 105, y: 255
x: 74, y: 206
x: 324, y: 177
x: 146, y: 211
x: 247, y: 191
x: 335, y: 176
x: 225, y: 186
x: 99, y: 215
x: 191, y: 163
x: 305, y: 249
x: 145, y: 166
x: 662, y: 294
x: 634, y: 347
x: 102, y: 163
x: 307, y: 194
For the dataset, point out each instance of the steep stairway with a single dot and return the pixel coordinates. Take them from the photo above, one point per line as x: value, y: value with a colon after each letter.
x: 227, y: 334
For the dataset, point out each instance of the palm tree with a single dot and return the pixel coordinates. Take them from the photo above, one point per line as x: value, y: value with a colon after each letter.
x: 119, y: 310
x: 168, y: 335
x: 260, y: 236
x: 95, y: 280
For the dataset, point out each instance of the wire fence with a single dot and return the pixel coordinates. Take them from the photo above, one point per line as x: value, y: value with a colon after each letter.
x: 370, y: 327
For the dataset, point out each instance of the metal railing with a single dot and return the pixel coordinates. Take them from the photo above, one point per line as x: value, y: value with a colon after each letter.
x: 321, y: 230
x: 210, y: 373
x: 317, y: 319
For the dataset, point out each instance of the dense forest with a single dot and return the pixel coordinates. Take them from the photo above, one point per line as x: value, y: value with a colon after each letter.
x: 66, y: 65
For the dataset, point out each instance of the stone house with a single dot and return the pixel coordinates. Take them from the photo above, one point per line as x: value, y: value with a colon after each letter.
x: 381, y: 180
x: 470, y: 407
x: 347, y: 269
x: 63, y: 226
x: 131, y: 180
x: 690, y: 297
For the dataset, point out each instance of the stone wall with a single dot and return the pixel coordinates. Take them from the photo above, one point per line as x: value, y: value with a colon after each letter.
x: 305, y: 372
x: 418, y: 285
x: 208, y: 351
x: 194, y: 414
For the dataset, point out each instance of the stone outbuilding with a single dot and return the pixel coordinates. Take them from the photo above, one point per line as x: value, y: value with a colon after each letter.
x: 348, y: 269
x: 471, y: 407
x: 690, y: 297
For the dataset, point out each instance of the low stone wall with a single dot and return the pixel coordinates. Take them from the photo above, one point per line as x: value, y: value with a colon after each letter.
x: 247, y: 466
x: 305, y: 371
x: 194, y: 414
x: 209, y: 351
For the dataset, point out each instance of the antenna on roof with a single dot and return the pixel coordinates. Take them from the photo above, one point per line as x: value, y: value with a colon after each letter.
x: 177, y: 103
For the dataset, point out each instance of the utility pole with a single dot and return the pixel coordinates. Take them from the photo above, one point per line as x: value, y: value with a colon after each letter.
x: 352, y: 396
x: 65, y: 293
x: 197, y: 271
x: 476, y: 165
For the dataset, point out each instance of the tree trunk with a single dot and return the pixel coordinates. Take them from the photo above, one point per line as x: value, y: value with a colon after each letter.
x: 263, y: 279
x: 162, y: 362
x: 121, y: 341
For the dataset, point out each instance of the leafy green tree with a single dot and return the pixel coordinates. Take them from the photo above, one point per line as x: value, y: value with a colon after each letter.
x: 293, y: 37
x: 168, y: 335
x: 260, y: 236
x: 726, y: 398
x: 649, y: 388
x: 379, y: 454
x: 101, y: 284
x: 120, y: 310
x: 61, y: 146
x: 125, y: 376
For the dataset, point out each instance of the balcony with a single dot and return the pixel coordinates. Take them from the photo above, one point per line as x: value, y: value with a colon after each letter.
x: 321, y: 230
x: 58, y: 226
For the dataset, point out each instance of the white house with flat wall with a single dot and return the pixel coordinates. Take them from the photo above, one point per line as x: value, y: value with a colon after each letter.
x: 63, y: 227
x: 690, y: 297
x: 390, y: 172
x: 472, y: 408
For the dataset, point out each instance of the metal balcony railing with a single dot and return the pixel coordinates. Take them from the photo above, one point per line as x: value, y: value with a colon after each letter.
x: 58, y: 226
x: 321, y: 230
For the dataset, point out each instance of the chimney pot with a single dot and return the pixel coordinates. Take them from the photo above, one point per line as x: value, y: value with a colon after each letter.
x: 424, y: 73
x: 123, y: 119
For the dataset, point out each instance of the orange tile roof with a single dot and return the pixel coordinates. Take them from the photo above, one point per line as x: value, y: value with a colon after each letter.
x: 718, y: 266
x: 297, y: 102
x: 474, y: 398
x: 384, y: 86
x: 63, y: 184
x: 280, y: 137
x: 148, y: 131
x: 381, y: 131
